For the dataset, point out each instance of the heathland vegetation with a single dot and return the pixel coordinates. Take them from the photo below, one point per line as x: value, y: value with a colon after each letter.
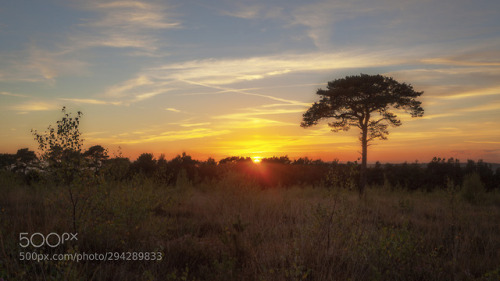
x: 238, y: 221
x: 234, y: 219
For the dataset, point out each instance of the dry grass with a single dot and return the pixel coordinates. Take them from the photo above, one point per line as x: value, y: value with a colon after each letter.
x: 234, y: 231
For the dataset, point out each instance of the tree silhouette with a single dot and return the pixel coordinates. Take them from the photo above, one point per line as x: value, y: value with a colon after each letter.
x: 364, y: 101
x: 96, y: 155
x: 24, y: 157
x: 61, y: 147
x: 145, y: 164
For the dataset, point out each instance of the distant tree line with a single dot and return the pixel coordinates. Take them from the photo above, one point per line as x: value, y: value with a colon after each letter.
x: 270, y: 172
x: 439, y: 173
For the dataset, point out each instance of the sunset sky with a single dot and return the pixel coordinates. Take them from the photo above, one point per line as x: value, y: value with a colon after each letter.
x: 223, y: 78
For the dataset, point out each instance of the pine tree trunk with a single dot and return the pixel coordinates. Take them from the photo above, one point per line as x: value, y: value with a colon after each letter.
x: 362, y: 174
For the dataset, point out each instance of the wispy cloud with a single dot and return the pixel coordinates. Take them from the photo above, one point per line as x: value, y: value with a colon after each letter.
x: 124, y: 24
x: 35, y: 64
x: 35, y: 106
x: 244, y: 12
x: 137, y: 89
x: 12, y: 95
x: 407, y: 118
x: 244, y: 92
x: 495, y: 106
x: 173, y: 109
x: 174, y: 136
x: 147, y: 95
x: 259, y: 117
x: 258, y: 112
x: 252, y: 123
x: 89, y: 101
x: 446, y: 61
x: 321, y: 17
x: 218, y: 74
x: 490, y: 91
x: 117, y: 24
x: 132, y: 15
x: 230, y: 71
x: 253, y: 11
x: 484, y: 142
x: 124, y: 88
x: 318, y: 18
x: 204, y: 124
x: 481, y: 54
x: 445, y: 82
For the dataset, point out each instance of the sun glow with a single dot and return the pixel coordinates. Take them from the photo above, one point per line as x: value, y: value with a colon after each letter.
x: 256, y: 159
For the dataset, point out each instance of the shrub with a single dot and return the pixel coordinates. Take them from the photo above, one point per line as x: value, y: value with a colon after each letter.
x: 473, y: 190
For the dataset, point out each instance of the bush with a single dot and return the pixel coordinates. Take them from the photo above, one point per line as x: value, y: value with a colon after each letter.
x: 473, y: 190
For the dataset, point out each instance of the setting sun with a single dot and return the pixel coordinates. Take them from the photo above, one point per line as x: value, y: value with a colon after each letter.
x: 256, y: 159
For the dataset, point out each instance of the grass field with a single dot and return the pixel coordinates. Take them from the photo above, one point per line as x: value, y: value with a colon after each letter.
x: 232, y: 230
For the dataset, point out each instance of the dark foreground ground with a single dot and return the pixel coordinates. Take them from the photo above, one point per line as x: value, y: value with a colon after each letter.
x: 231, y: 230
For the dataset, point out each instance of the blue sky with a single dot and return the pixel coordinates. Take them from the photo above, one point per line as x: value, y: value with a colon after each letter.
x: 221, y: 78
